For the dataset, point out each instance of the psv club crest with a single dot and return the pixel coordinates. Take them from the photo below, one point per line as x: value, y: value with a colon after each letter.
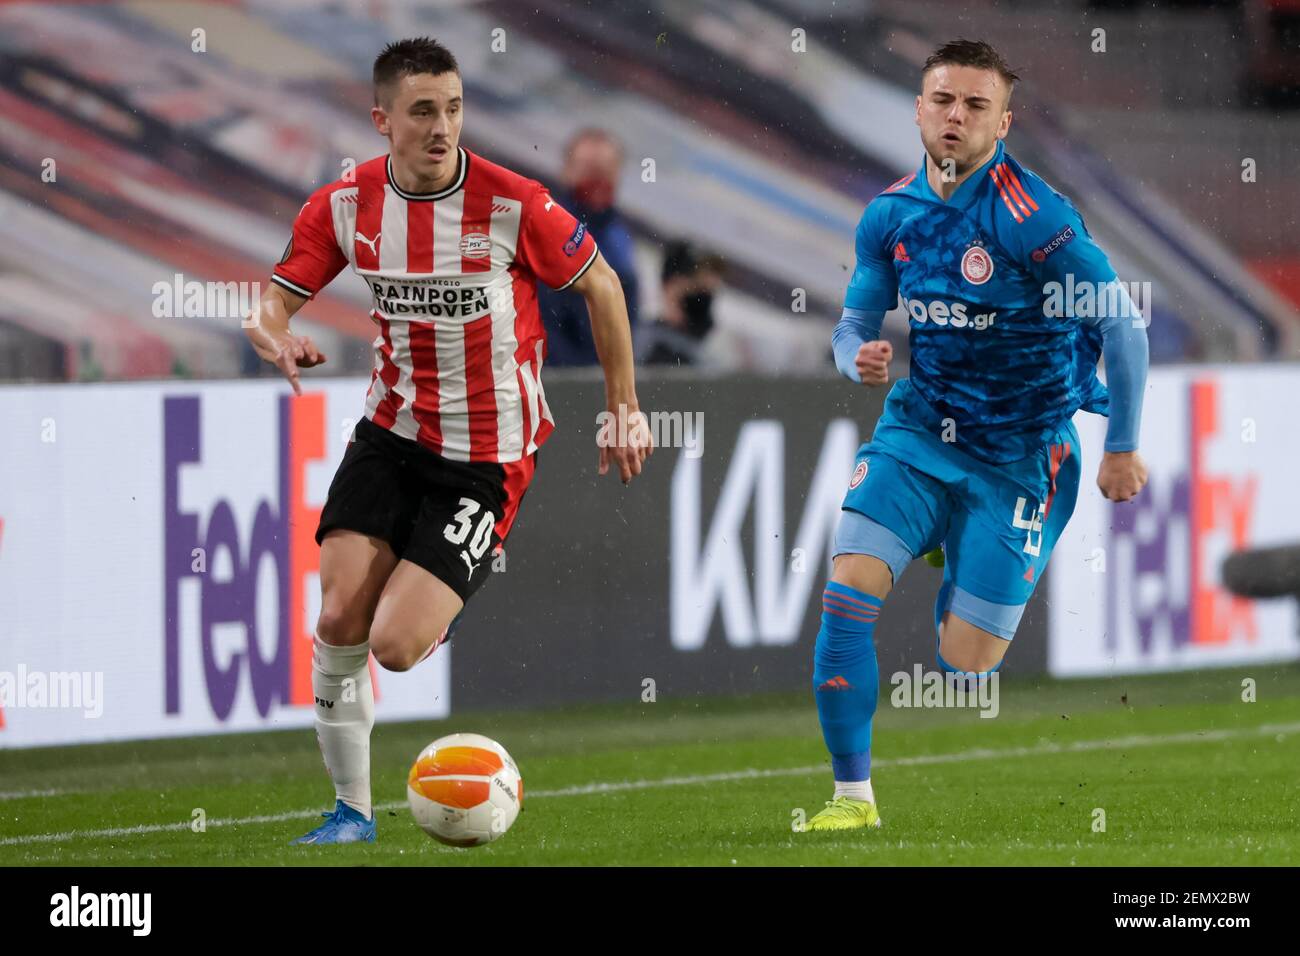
x: 976, y: 266
x: 476, y: 245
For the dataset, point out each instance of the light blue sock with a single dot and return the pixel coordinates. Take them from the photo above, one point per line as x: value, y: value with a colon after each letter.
x: 846, y: 678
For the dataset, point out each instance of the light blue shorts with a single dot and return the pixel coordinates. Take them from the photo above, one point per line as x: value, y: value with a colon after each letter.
x: 911, y: 492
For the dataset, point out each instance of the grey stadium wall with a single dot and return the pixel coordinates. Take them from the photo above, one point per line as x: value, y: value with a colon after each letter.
x: 584, y: 608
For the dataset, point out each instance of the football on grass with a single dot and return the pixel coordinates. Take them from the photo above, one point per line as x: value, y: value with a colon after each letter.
x: 464, y: 790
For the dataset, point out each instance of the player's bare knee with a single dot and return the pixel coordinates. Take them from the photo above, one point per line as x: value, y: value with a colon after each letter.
x: 341, y: 626
x: 864, y: 573
x: 966, y: 661
x: 966, y: 647
x: 397, y: 648
x: 394, y: 656
x: 969, y: 655
x: 386, y: 646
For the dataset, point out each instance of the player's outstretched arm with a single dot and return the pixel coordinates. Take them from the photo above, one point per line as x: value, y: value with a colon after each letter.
x: 628, y: 444
x: 1064, y: 254
x: 1124, y: 347
x: 267, y: 328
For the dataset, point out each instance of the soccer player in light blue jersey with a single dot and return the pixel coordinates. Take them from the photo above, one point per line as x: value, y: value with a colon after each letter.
x: 1010, y: 305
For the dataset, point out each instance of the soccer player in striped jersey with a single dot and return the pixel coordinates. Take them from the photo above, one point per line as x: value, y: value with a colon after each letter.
x: 452, y: 247
x: 1011, y: 303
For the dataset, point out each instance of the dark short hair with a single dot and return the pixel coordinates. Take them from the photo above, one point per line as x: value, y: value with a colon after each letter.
x: 682, y: 258
x: 974, y: 53
x: 410, y: 57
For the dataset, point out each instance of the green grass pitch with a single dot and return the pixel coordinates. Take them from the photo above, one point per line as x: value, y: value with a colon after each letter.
x: 1184, y: 770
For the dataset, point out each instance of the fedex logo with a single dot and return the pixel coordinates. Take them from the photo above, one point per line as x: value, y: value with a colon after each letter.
x: 1172, y: 538
x: 206, y: 547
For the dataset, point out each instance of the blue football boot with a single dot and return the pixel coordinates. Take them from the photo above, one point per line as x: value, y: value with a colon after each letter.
x: 344, y: 825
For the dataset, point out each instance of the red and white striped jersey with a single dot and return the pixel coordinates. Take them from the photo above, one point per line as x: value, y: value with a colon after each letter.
x: 458, y: 357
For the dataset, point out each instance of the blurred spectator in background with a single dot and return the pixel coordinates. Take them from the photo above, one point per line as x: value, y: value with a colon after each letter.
x: 592, y: 160
x: 691, y: 276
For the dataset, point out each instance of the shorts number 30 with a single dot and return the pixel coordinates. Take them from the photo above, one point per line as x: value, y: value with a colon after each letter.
x: 457, y: 532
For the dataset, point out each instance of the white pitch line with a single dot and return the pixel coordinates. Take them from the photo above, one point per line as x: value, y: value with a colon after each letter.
x: 624, y: 786
x: 961, y: 756
x: 28, y: 794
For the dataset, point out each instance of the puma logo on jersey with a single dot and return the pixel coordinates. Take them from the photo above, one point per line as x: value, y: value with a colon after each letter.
x: 369, y: 242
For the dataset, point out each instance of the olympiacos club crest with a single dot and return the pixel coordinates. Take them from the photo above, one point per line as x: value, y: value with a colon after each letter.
x: 976, y: 266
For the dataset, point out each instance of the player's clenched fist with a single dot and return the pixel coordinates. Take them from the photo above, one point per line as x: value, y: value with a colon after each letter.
x: 873, y: 362
x: 1122, y: 475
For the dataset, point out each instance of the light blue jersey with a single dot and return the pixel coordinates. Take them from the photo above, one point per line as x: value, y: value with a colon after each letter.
x: 977, y: 275
x: 1010, y: 304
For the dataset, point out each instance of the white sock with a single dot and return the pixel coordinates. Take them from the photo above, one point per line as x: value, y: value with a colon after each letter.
x: 855, y: 790
x: 345, y: 712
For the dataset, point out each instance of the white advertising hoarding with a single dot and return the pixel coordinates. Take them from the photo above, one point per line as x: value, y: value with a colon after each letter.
x: 158, y: 567
x: 1136, y: 586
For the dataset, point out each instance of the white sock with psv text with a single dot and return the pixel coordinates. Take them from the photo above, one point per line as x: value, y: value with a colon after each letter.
x: 855, y: 790
x: 345, y: 713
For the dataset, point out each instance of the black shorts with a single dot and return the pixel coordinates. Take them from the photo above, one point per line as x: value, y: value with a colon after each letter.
x: 449, y: 517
